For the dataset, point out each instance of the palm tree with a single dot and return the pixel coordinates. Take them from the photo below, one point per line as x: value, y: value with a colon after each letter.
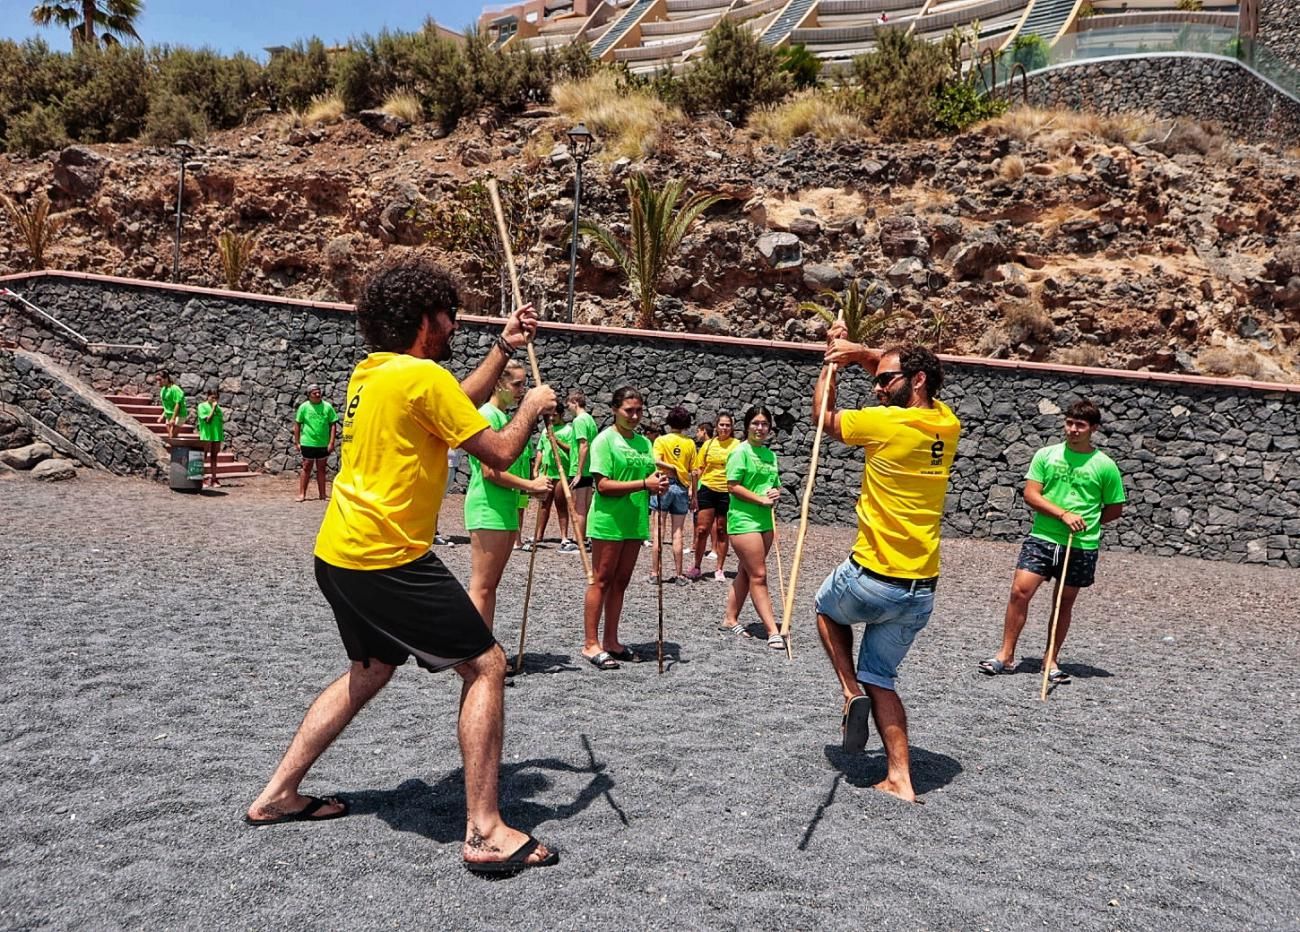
x: 91, y: 21
x: 35, y: 224
x: 854, y: 307
x: 658, y: 225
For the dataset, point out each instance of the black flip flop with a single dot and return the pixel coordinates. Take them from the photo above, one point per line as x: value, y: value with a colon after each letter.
x: 515, y: 863
x: 1058, y: 676
x: 307, y: 813
x: 627, y: 655
x: 603, y: 661
x: 857, y: 725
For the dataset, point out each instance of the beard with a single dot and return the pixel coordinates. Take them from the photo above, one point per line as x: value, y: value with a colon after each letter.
x: 900, y: 397
x: 437, y: 346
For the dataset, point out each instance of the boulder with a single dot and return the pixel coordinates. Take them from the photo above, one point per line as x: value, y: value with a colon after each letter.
x: 805, y: 227
x: 377, y: 121
x: 77, y: 171
x: 12, y: 432
x: 908, y: 271
x: 781, y: 250
x: 53, y: 470
x: 902, y: 236
x: 980, y: 251
x: 821, y: 277
x: 26, y: 457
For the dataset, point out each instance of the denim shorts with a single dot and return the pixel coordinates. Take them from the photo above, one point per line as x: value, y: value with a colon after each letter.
x: 893, y: 616
x: 676, y: 501
x: 1043, y: 558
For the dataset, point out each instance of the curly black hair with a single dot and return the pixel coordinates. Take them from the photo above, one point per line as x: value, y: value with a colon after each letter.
x: 395, y: 299
x: 678, y: 418
x: 913, y: 359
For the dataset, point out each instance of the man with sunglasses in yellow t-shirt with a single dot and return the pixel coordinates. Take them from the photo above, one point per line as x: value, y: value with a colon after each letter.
x: 887, y: 584
x: 392, y: 598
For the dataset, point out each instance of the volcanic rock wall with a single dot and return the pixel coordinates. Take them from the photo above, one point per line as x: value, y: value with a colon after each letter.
x: 1279, y: 29
x: 1211, y: 467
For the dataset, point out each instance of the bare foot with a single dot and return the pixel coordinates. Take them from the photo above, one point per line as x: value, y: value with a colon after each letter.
x: 903, y: 791
x: 499, y: 845
x: 301, y: 498
x: 278, y: 808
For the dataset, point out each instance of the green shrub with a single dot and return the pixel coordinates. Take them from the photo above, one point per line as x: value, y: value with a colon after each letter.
x: 107, y: 97
x: 352, y: 76
x: 223, y: 89
x: 959, y: 104
x: 38, y: 130
x: 1030, y: 51
x: 172, y: 117
x: 895, y: 85
x: 295, y: 76
x: 803, y: 67
x: 737, y: 73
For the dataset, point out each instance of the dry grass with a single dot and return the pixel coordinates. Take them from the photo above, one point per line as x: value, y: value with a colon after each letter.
x: 1025, y: 123
x: 539, y: 145
x: 1226, y: 362
x: 628, y: 122
x: 1085, y: 354
x: 1026, y: 320
x: 324, y: 110
x: 813, y: 113
x: 404, y: 105
x: 1011, y: 168
x: 36, y: 225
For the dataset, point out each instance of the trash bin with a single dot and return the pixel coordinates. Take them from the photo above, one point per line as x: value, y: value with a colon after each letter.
x: 185, y: 473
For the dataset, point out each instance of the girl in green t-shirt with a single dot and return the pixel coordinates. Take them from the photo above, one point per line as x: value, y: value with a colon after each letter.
x: 492, y: 500
x: 211, y: 425
x: 545, y: 466
x: 753, y: 481
x: 623, y: 466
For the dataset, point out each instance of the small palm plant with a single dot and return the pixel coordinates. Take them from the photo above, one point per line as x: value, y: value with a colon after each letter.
x: 35, y: 224
x: 853, y: 306
x: 235, y: 249
x: 658, y: 225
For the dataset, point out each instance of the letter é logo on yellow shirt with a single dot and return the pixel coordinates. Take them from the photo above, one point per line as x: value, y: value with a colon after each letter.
x: 936, y: 453
x: 352, y: 405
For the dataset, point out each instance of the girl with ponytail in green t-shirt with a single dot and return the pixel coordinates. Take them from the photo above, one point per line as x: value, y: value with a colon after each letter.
x: 492, y: 500
x: 623, y: 467
x: 753, y: 480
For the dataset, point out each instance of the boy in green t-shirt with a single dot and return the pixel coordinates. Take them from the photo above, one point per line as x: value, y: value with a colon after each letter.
x: 172, y: 399
x: 315, y: 431
x: 1074, y: 489
x: 545, y: 465
x: 585, y: 430
x: 212, y: 432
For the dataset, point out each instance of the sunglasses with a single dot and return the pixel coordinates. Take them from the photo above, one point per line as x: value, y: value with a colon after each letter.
x: 883, y: 379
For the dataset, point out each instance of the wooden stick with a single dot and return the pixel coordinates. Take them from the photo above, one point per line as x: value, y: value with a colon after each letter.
x: 659, y: 575
x: 780, y: 573
x: 1056, y: 613
x: 518, y: 295
x: 803, y: 513
x: 528, y: 588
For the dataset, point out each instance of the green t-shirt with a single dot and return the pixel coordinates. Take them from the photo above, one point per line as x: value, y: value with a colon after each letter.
x: 488, y: 506
x: 623, y: 459
x: 755, y: 468
x: 530, y: 451
x: 1083, y: 483
x: 564, y: 435
x: 212, y: 421
x: 315, y: 420
x: 584, y: 428
x: 172, y: 398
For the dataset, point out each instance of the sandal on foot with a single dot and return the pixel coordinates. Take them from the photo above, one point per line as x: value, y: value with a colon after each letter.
x: 1058, y: 676
x: 627, y: 655
x: 603, y: 661
x: 307, y: 813
x: 857, y: 725
x: 776, y: 642
x: 737, y: 629
x: 993, y: 666
x: 515, y: 863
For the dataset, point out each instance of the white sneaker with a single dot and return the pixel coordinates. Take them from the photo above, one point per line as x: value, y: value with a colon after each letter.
x: 710, y: 555
x: 568, y: 546
x: 687, y: 551
x: 719, y: 576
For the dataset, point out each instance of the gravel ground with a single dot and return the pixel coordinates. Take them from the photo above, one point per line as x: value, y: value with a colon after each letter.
x: 159, y: 650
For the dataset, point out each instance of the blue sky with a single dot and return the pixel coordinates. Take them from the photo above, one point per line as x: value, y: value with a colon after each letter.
x: 249, y: 25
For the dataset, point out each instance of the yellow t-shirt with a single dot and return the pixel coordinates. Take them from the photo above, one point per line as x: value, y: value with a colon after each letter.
x: 678, y: 452
x: 402, y: 415
x: 712, y: 462
x: 909, y: 454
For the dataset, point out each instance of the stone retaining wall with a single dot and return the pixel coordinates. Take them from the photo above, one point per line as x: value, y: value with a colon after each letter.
x: 73, y: 418
x: 1204, y: 87
x: 1211, y: 467
x: 1279, y: 29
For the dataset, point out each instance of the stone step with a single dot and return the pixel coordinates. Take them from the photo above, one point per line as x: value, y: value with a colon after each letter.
x: 146, y: 411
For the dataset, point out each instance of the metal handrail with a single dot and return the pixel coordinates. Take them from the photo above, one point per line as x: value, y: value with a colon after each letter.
x: 68, y: 331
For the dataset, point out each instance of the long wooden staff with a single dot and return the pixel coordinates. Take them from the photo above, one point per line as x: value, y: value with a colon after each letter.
x: 780, y: 573
x: 1056, y: 613
x: 803, y: 510
x: 528, y: 588
x: 495, y: 195
x: 659, y: 575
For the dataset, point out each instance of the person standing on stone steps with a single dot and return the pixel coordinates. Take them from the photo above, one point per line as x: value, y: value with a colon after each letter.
x: 315, y: 431
x: 211, y: 425
x: 174, y: 410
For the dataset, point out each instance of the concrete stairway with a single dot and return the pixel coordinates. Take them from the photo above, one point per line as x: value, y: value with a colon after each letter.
x: 144, y: 410
x: 1047, y: 18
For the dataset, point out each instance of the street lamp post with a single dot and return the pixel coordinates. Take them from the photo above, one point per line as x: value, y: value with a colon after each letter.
x: 184, y: 149
x: 580, y: 142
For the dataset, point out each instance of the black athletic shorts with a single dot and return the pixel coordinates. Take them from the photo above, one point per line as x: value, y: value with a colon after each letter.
x: 1044, y: 558
x: 314, y: 453
x: 583, y: 483
x: 417, y: 609
x: 706, y: 498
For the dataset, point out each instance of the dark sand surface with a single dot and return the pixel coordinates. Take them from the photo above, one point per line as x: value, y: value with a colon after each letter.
x: 159, y: 650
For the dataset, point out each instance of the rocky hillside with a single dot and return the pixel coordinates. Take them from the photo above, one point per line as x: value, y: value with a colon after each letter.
x: 1043, y: 236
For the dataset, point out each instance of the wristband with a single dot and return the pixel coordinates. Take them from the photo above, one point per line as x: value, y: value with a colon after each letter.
x: 504, y: 345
